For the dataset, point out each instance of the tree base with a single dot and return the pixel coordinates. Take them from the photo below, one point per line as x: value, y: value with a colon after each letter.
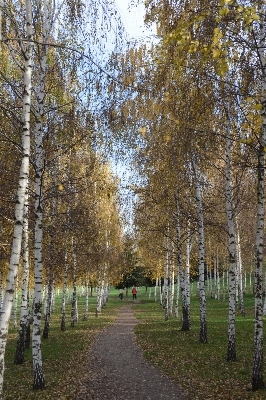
x: 257, y: 384
x: 38, y: 379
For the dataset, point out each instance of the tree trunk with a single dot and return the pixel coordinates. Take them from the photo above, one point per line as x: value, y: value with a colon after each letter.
x: 203, y: 324
x: 64, y: 290
x: 74, y: 311
x: 177, y: 292
x: 15, y: 305
x: 223, y: 288
x: 21, y: 341
x: 99, y: 295
x: 264, y: 306
x: 48, y: 308
x: 38, y: 375
x: 1, y: 288
x: 187, y: 272
x: 231, y: 342
x: 166, y: 273
x: 257, y: 372
x: 215, y: 277
x: 155, y: 290
x: 240, y: 271
x: 218, y: 277
x: 181, y: 273
x: 28, y: 322
x: 86, y: 311
x: 171, y: 285
x: 49, y: 267
x: 210, y: 278
x: 20, y: 198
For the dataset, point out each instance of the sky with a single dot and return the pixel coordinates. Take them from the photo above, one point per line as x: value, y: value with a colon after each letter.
x: 133, y: 19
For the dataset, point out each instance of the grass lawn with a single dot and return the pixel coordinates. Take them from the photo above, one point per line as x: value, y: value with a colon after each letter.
x: 65, y: 354
x: 202, y: 370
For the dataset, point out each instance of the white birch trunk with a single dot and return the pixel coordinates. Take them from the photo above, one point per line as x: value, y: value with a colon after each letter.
x: 101, y: 294
x: 44, y: 297
x: 49, y: 265
x: 53, y: 299
x: 74, y: 309
x: 155, y: 290
x: 218, y: 276
x: 86, y: 311
x: 28, y: 323
x: 1, y: 289
x: 203, y: 324
x: 182, y: 274
x: 38, y: 374
x: 48, y: 309
x: 171, y: 291
x: 264, y: 307
x: 210, y: 282
x: 187, y: 271
x: 98, y: 300
x: 223, y: 287
x: 20, y: 349
x: 257, y: 372
x: 161, y: 292
x: 15, y: 307
x: 240, y: 271
x: 21, y: 191
x: 45, y: 302
x: 64, y: 292
x: 236, y: 275
x: 215, y: 277
x: 177, y: 292
x: 231, y: 344
x: 208, y: 279
x: 104, y: 290
x: 1, y: 18
x: 166, y: 273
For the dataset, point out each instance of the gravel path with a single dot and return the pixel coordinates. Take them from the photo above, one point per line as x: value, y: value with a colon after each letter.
x: 117, y: 369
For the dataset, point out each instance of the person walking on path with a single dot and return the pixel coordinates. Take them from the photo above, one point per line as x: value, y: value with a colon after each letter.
x: 121, y: 293
x: 134, y: 292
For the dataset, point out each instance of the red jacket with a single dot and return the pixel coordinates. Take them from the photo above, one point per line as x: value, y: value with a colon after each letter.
x: 134, y: 291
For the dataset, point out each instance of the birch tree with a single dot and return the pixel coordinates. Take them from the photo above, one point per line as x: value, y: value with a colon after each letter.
x: 21, y: 193
x: 257, y: 372
x: 203, y: 324
x: 21, y: 341
x: 231, y: 346
x: 184, y: 297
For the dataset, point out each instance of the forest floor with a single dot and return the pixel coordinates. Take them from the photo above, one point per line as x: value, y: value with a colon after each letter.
x: 117, y: 369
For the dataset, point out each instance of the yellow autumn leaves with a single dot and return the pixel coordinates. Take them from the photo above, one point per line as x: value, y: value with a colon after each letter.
x: 247, y: 14
x: 143, y: 131
x: 252, y: 120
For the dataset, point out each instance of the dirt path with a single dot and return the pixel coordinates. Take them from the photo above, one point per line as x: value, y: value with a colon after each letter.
x: 117, y: 369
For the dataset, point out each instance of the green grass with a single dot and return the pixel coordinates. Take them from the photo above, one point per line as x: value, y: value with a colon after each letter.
x: 65, y: 354
x: 201, y: 369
